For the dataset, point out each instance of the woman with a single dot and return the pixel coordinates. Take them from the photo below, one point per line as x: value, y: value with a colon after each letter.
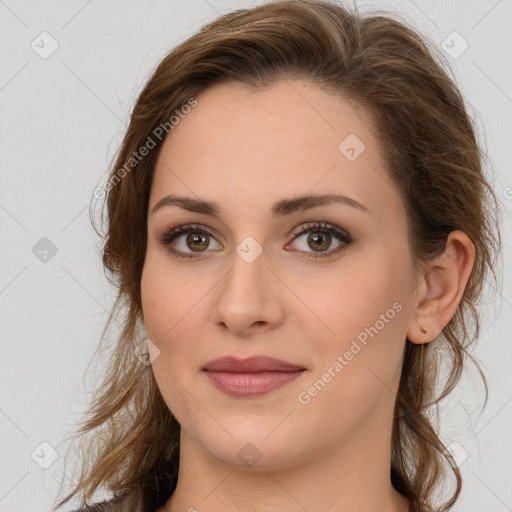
x: 300, y: 228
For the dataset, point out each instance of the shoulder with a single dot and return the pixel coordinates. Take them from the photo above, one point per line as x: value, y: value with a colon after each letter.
x: 102, y: 506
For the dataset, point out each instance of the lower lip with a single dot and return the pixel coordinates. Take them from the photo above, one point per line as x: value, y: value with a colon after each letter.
x: 251, y: 384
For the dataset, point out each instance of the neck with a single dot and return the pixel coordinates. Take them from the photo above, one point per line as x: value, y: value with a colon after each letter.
x: 351, y: 476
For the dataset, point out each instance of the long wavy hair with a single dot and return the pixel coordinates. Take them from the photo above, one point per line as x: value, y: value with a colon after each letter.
x: 128, y: 440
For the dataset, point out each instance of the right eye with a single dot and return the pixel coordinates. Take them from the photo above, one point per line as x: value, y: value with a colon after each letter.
x: 197, y: 237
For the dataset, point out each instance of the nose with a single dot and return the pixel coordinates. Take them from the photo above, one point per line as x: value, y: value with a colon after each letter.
x: 248, y: 298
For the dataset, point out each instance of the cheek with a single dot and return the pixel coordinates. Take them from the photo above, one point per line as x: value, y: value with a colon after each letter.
x: 175, y: 312
x: 163, y: 296
x: 363, y: 319
x: 165, y: 306
x: 359, y: 364
x: 166, y: 312
x: 343, y: 301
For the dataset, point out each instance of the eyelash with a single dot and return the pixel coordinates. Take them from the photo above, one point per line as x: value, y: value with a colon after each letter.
x: 167, y: 237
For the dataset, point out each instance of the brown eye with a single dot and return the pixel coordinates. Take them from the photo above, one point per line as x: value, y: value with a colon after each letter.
x: 320, y: 238
x: 183, y: 241
x: 197, y: 242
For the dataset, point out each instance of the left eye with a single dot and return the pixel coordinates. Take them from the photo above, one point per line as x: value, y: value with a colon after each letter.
x: 320, y: 237
x: 196, y: 236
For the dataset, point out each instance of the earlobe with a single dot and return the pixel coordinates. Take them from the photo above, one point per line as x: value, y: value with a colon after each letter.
x: 444, y: 284
x: 421, y: 336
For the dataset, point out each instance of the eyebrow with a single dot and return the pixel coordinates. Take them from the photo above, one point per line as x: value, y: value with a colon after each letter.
x: 279, y: 209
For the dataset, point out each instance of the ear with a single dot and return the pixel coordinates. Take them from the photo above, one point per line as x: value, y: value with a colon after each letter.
x: 440, y: 288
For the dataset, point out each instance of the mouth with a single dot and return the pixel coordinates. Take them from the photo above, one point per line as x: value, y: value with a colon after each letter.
x: 252, y: 364
x: 254, y: 376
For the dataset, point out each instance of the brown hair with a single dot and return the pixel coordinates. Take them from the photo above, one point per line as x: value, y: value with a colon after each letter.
x: 129, y: 444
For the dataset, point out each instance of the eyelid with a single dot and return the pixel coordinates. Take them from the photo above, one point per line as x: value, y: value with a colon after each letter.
x: 169, y: 234
x: 342, y: 235
x: 320, y: 226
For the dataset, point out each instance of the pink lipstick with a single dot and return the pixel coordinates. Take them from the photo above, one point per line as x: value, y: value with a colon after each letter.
x: 254, y: 376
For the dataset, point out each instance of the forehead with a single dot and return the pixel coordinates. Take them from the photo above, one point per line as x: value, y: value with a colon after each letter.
x: 256, y: 146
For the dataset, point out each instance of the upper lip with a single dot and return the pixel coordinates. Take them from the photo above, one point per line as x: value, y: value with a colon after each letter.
x: 252, y: 364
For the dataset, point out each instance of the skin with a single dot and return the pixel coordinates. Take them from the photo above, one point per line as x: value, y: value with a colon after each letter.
x: 246, y: 149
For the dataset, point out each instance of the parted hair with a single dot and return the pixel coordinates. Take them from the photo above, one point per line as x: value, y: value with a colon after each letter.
x: 128, y: 440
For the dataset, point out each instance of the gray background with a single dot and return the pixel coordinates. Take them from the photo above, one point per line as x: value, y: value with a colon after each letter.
x: 63, y: 116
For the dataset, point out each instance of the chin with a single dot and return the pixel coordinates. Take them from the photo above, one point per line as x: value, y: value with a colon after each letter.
x: 253, y: 448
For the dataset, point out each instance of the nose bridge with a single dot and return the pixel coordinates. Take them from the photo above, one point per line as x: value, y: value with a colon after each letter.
x: 248, y: 268
x: 246, y: 296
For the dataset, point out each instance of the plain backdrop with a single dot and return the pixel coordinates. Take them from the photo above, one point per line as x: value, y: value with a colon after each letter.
x: 69, y: 74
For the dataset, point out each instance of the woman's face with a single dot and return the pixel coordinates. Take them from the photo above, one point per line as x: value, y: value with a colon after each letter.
x: 267, y: 275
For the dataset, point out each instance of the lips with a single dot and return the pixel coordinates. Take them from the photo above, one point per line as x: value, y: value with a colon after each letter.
x: 250, y: 377
x: 253, y: 364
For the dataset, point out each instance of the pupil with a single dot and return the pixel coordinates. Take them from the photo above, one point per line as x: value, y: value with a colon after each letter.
x: 197, y: 240
x: 318, y: 239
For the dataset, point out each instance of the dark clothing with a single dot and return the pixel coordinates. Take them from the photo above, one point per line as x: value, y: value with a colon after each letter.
x: 103, y: 506
x: 153, y: 493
